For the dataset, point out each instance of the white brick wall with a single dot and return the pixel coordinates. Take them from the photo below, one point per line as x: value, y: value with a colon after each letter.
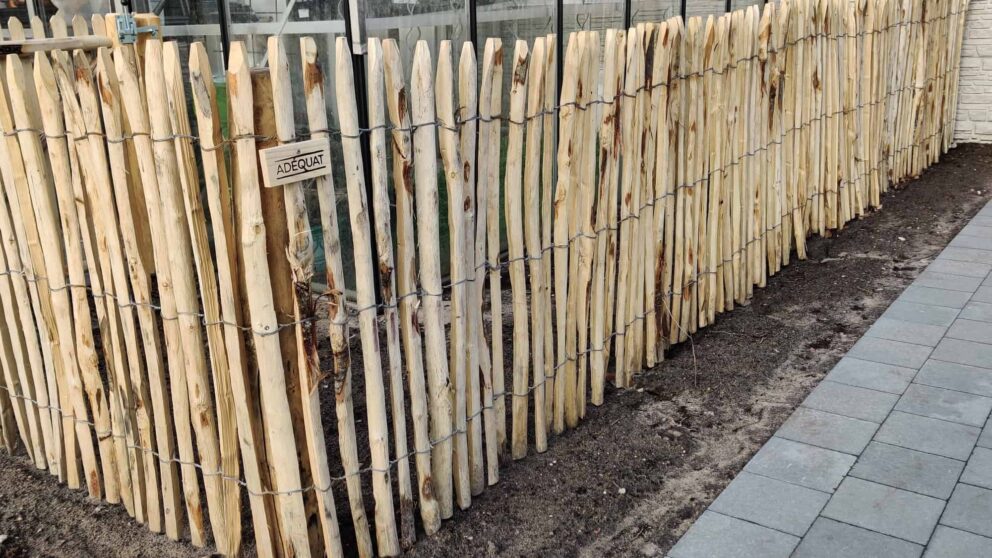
x: 974, y: 116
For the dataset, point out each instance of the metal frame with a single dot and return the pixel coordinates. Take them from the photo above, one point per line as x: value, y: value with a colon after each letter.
x: 224, y: 14
x: 471, y: 14
x: 355, y: 28
x: 354, y: 25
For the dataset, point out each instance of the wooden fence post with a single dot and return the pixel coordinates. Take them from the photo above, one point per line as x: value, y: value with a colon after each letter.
x: 25, y: 114
x: 515, y: 237
x: 397, y: 100
x: 219, y: 204
x: 566, y: 125
x: 468, y: 100
x: 272, y: 382
x: 300, y: 255
x: 454, y: 181
x: 387, y: 284
x: 58, y: 155
x: 374, y: 389
x: 532, y: 234
x: 313, y: 86
x: 425, y: 178
x: 488, y: 144
x: 494, y: 248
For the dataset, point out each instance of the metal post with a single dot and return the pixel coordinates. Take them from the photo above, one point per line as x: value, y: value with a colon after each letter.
x: 354, y: 28
x: 682, y: 9
x: 560, y: 46
x: 224, y: 21
x: 730, y: 6
x: 626, y: 14
x: 471, y: 9
x: 559, y: 69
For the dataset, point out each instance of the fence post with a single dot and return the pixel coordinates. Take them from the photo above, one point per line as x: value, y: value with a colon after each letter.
x: 354, y: 28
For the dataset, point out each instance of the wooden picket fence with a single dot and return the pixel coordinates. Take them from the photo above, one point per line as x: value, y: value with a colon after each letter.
x: 166, y: 356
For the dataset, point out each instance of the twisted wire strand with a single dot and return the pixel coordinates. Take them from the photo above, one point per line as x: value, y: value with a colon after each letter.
x: 501, y: 264
x: 102, y: 434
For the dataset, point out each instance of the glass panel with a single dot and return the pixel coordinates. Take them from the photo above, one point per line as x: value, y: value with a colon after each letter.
x: 653, y: 10
x: 191, y: 21
x: 512, y: 20
x: 596, y: 15
x: 738, y: 4
x: 45, y: 9
x: 22, y: 10
x: 409, y: 21
x: 705, y: 7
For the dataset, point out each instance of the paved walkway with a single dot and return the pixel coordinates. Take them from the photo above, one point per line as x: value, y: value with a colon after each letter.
x: 891, y: 455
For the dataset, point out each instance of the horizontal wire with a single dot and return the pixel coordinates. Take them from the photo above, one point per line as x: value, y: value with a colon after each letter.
x: 566, y: 360
x: 499, y: 265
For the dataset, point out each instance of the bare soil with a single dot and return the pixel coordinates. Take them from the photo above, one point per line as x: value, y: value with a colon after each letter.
x: 635, y: 474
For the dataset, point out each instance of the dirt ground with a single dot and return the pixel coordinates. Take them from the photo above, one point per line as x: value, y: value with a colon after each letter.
x: 636, y: 473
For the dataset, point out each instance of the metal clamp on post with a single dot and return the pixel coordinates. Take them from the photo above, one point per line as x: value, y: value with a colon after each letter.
x: 127, y: 28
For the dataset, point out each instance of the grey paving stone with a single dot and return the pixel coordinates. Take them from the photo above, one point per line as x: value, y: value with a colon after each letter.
x: 884, y: 509
x: 971, y: 330
x: 985, y: 440
x: 981, y: 220
x: 964, y: 352
x: 930, y: 435
x: 968, y: 269
x: 908, y: 469
x: 872, y: 375
x: 983, y: 294
x: 954, y: 543
x: 960, y: 377
x: 851, y: 401
x: 832, y: 539
x: 981, y: 311
x: 972, y: 241
x: 945, y: 404
x: 921, y: 313
x: 772, y: 503
x: 936, y: 297
x: 908, y: 332
x: 977, y: 230
x: 938, y: 280
x: 885, y: 351
x: 970, y: 509
x: 979, y: 468
x: 801, y: 464
x: 719, y: 536
x: 828, y: 430
x: 966, y: 255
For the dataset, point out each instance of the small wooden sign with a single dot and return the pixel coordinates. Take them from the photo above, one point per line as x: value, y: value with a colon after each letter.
x: 293, y: 162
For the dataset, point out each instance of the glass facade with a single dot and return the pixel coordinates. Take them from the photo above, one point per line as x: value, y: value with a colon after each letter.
x: 214, y: 22
x: 406, y: 22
